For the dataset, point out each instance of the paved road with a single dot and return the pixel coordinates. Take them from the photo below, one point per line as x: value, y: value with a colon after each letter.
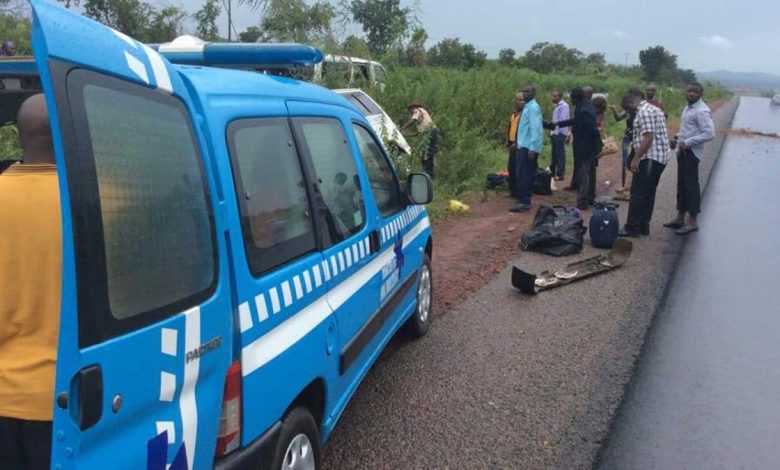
x: 508, y: 381
x: 706, y: 390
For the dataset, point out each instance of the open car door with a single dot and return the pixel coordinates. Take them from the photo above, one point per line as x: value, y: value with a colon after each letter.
x: 145, y: 327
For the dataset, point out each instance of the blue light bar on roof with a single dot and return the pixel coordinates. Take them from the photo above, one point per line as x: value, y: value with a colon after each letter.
x: 193, y: 51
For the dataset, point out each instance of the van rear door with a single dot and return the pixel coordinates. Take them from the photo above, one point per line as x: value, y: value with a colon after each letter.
x: 146, y: 319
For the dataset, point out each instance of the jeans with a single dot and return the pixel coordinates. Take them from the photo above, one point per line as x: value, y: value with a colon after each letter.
x: 526, y: 171
x: 430, y: 152
x: 640, y: 209
x: 25, y: 445
x: 558, y: 162
x: 688, y: 191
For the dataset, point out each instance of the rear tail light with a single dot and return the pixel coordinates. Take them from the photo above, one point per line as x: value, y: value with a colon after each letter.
x: 229, y: 435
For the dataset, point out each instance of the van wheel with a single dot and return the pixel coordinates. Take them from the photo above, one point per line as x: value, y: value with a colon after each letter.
x: 420, y: 321
x: 299, y: 442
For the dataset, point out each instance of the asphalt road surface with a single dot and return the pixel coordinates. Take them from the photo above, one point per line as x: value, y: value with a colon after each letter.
x: 505, y: 380
x: 706, y: 390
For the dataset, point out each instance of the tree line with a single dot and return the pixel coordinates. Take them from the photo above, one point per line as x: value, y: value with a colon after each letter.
x: 391, y: 33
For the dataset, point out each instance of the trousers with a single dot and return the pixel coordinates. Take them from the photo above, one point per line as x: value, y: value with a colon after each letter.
x: 688, y: 190
x: 643, y: 188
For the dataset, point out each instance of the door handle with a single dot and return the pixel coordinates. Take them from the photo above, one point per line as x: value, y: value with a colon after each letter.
x: 374, y: 243
x: 87, y: 387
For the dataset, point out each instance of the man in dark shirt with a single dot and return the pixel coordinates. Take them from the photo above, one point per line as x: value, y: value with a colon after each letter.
x: 587, y: 145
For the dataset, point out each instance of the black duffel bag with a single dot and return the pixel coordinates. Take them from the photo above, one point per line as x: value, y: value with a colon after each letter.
x: 556, y: 231
x: 542, y: 182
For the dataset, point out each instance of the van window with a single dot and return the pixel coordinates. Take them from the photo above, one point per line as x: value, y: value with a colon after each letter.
x: 379, y: 73
x: 325, y: 142
x: 360, y: 106
x: 144, y: 232
x: 368, y: 103
x: 384, y: 185
x: 271, y: 192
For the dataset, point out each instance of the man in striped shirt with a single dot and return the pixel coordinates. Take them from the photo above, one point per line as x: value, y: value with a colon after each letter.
x: 651, y: 142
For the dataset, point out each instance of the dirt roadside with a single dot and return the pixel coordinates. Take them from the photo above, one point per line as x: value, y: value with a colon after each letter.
x: 470, y: 249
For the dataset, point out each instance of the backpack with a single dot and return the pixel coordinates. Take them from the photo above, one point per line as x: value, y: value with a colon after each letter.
x: 556, y: 231
x: 604, y: 225
x: 542, y: 180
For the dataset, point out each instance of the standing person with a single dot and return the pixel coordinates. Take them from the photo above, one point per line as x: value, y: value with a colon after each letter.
x: 587, y: 145
x: 514, y: 120
x: 627, y: 138
x: 529, y: 144
x: 8, y: 49
x: 650, y: 92
x: 575, y: 180
x: 30, y: 273
x: 558, y: 136
x: 423, y: 124
x: 696, y: 128
x: 651, y: 143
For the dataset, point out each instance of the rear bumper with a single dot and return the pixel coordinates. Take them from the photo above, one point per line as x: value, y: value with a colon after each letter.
x: 256, y: 456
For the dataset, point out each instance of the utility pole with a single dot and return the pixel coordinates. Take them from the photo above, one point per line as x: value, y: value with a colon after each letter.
x: 230, y: 20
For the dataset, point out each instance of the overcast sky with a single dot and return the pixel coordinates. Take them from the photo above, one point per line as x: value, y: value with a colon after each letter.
x: 705, y: 34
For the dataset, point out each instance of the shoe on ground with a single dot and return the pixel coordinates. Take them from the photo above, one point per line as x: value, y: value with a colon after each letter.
x: 675, y: 224
x: 628, y: 233
x: 521, y: 208
x: 559, y: 178
x: 686, y: 229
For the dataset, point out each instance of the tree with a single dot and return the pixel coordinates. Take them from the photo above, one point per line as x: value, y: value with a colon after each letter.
x: 658, y: 64
x: 355, y: 47
x: 507, y: 57
x: 16, y: 29
x: 596, y: 58
x: 295, y: 21
x: 414, y: 55
x: 451, y: 53
x: 384, y: 22
x: 165, y: 25
x: 206, y: 19
x: 545, y: 57
x: 686, y: 76
x: 252, y: 34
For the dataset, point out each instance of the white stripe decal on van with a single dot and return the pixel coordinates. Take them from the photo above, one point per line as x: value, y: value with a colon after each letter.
x: 160, y: 70
x: 269, y: 346
x: 361, y: 250
x: 169, y: 341
x: 188, y: 405
x: 274, y: 300
x: 286, y: 294
x: 137, y: 67
x: 367, y: 246
x: 317, y: 278
x: 325, y: 270
x: 163, y: 426
x: 348, y: 255
x: 167, y: 386
x: 130, y: 41
x: 307, y: 280
x: 341, y: 261
x: 262, y: 309
x: 334, y: 267
x: 245, y: 317
x: 298, y: 288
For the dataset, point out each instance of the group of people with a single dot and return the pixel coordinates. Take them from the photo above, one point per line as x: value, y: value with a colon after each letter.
x: 646, y: 150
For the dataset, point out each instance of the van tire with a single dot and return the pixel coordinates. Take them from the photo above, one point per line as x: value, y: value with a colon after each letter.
x: 420, y: 322
x: 298, y: 423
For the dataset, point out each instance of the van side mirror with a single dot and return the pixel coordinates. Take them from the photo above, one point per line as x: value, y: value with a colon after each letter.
x: 419, y: 188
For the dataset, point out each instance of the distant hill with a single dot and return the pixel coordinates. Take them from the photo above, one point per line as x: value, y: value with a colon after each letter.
x: 753, y: 81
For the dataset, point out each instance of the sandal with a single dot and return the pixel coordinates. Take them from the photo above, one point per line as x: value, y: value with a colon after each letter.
x: 675, y: 224
x: 685, y: 230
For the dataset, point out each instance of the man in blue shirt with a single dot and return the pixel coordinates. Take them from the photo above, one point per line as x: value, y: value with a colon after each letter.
x: 529, y: 145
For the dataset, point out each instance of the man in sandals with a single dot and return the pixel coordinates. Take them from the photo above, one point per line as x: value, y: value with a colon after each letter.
x: 696, y: 128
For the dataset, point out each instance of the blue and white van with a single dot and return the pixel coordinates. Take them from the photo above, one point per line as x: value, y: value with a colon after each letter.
x: 237, y: 250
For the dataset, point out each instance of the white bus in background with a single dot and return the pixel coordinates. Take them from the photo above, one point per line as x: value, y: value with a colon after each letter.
x: 353, y: 70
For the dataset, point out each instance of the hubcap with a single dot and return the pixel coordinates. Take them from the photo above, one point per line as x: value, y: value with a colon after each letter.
x: 299, y: 455
x: 424, y: 294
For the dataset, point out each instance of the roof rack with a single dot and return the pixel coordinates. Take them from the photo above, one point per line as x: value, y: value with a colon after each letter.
x: 190, y: 50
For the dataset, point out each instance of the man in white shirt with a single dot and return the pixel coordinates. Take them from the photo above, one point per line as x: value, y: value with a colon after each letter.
x: 696, y: 128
